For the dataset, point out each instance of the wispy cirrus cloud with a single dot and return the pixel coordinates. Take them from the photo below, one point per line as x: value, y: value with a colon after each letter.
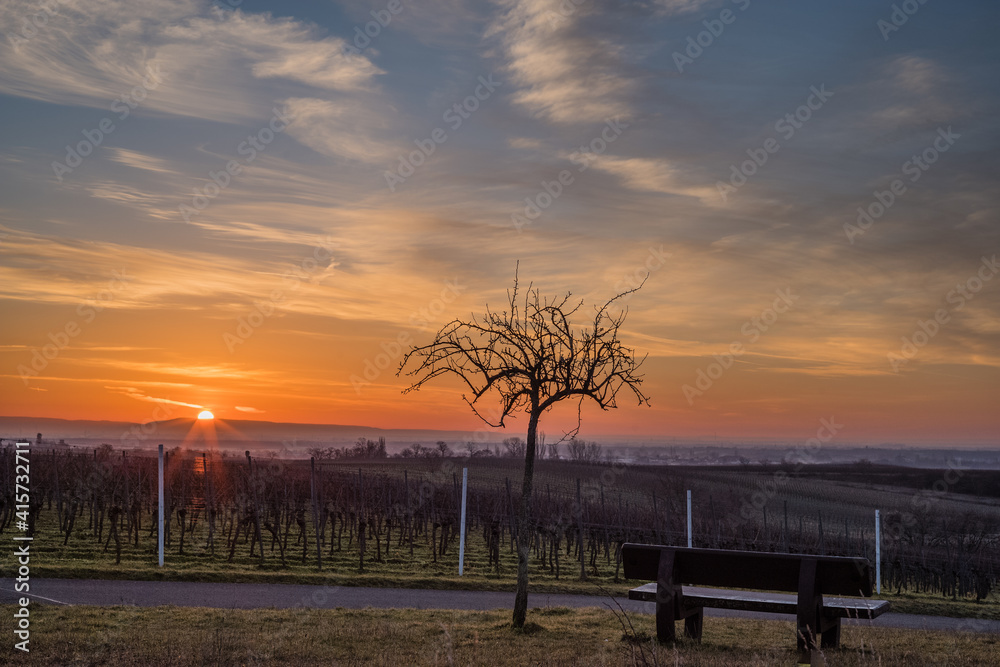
x: 217, y: 66
x: 564, y: 73
x: 654, y: 175
x: 43, y: 269
x: 571, y: 64
x: 138, y: 160
x: 356, y: 128
x: 138, y: 395
x: 916, y: 92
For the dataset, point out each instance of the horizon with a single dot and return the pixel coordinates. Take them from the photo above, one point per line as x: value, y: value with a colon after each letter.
x: 804, y: 193
x: 399, y: 437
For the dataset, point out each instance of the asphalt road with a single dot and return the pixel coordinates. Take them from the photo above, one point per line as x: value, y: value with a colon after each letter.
x: 285, y: 596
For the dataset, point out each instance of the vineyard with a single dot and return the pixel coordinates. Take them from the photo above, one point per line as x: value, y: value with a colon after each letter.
x: 941, y: 529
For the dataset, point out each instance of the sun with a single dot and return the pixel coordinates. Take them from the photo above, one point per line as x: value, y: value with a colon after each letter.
x: 206, y: 414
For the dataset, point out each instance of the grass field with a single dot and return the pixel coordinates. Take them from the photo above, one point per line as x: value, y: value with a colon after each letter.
x: 133, y: 636
x: 84, y: 559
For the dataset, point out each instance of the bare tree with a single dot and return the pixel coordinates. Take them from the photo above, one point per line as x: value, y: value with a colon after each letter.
x: 530, y: 357
x: 514, y: 448
x: 582, y: 451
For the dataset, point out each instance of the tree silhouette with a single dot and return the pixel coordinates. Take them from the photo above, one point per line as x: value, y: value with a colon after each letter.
x: 530, y: 357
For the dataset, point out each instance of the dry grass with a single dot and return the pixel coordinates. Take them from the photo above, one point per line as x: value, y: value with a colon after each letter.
x: 128, y: 636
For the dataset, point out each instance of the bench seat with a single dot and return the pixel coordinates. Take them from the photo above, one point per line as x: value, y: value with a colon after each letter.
x: 775, y: 603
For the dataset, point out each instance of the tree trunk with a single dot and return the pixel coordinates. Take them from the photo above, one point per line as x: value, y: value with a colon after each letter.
x: 524, y: 531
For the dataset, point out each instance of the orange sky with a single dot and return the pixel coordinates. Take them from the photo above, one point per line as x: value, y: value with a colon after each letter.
x: 303, y: 365
x: 173, y: 264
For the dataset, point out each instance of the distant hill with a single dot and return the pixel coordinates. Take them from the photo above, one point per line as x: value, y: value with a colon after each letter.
x: 228, y: 431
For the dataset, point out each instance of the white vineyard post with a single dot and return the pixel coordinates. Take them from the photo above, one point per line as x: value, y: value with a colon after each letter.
x: 159, y: 529
x: 461, y: 535
x: 689, y: 519
x: 878, y: 554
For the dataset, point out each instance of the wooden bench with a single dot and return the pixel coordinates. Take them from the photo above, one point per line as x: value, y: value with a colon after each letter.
x: 810, y: 577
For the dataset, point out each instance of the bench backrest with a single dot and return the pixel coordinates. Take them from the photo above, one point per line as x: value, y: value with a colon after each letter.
x: 836, y: 575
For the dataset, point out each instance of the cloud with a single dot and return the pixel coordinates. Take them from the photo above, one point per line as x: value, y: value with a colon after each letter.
x: 132, y: 392
x: 225, y: 67
x: 575, y: 61
x: 524, y: 143
x: 246, y: 409
x: 916, y: 90
x: 138, y: 160
x: 320, y: 63
x: 916, y: 74
x: 677, y: 7
x: 653, y: 175
x: 351, y: 128
x: 51, y: 270
x: 443, y: 24
x: 565, y: 74
x: 120, y: 193
x: 204, y: 372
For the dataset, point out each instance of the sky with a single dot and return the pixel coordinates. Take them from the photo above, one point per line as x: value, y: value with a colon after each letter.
x: 257, y: 207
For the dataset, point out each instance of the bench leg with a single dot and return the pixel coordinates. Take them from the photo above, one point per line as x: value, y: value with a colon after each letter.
x: 665, y: 630
x: 693, y: 624
x: 809, y: 610
x: 666, y: 598
x: 831, y: 636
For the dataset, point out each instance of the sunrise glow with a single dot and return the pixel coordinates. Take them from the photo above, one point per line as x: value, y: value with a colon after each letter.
x: 815, y: 236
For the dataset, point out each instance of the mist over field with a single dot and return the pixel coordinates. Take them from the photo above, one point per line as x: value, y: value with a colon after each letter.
x: 296, y: 441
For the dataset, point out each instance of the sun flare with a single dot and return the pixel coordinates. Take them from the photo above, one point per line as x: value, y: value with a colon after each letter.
x: 206, y: 414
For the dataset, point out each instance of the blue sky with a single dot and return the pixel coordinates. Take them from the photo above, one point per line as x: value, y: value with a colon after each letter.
x: 204, y: 80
